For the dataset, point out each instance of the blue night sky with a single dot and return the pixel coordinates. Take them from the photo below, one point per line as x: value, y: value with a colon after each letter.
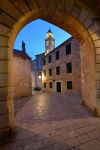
x: 33, y: 34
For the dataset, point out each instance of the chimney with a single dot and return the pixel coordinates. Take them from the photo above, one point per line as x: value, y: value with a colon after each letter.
x: 23, y: 47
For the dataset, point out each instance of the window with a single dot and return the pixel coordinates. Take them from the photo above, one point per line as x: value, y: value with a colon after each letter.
x: 44, y: 73
x: 44, y: 84
x: 57, y: 70
x: 50, y: 72
x: 68, y: 49
x: 69, y: 67
x: 49, y: 59
x: 43, y: 62
x: 69, y: 85
x: 57, y: 55
x: 50, y: 84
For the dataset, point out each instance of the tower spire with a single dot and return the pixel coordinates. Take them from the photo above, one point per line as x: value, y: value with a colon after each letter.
x: 23, y: 46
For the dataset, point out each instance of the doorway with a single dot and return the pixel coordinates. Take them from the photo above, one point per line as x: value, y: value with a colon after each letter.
x: 58, y: 86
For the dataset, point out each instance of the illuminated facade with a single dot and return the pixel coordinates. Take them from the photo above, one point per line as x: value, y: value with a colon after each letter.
x: 58, y: 69
x: 36, y: 73
x: 61, y: 68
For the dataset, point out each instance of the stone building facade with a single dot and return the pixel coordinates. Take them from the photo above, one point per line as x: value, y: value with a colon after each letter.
x: 21, y: 73
x: 61, y: 68
x: 37, y: 72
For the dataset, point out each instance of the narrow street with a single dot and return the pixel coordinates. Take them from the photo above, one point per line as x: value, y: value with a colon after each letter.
x: 54, y: 121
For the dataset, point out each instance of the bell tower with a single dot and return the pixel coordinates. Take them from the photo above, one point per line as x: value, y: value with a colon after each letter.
x: 49, y: 42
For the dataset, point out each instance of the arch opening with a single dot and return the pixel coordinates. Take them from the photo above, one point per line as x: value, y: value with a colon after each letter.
x: 83, y: 29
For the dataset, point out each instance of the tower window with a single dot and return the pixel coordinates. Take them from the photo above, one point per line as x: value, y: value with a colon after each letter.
x: 50, y: 84
x: 44, y: 84
x: 57, y: 55
x: 69, y: 67
x: 49, y: 59
x: 57, y: 70
x: 50, y: 72
x: 68, y: 49
x: 69, y: 85
x: 44, y: 73
x: 43, y: 62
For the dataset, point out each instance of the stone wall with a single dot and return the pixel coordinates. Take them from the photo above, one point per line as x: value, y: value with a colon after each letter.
x: 75, y: 76
x: 22, y: 77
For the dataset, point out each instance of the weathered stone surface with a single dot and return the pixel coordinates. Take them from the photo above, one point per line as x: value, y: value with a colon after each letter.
x: 54, y: 122
x: 93, y: 28
x: 98, y: 93
x: 98, y: 67
x: 98, y: 76
x: 83, y: 15
x: 98, y: 59
x: 97, y: 43
x: 22, y: 77
x: 4, y: 120
x: 88, y: 22
x: 98, y: 50
x: 98, y: 85
x: 76, y: 12
x: 96, y: 36
x: 3, y: 80
x: 3, y: 107
x: 3, y: 66
x: 3, y: 92
x: 68, y: 8
x: 3, y: 53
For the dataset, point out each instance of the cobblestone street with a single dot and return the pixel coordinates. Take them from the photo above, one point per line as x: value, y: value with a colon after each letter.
x: 54, y: 121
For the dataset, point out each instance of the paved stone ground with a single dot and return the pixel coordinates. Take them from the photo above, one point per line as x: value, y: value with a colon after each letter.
x: 50, y: 121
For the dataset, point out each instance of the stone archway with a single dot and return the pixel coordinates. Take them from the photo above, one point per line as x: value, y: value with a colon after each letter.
x: 75, y: 18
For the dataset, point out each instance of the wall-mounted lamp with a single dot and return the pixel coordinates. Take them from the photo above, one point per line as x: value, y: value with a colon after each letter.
x: 39, y: 76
